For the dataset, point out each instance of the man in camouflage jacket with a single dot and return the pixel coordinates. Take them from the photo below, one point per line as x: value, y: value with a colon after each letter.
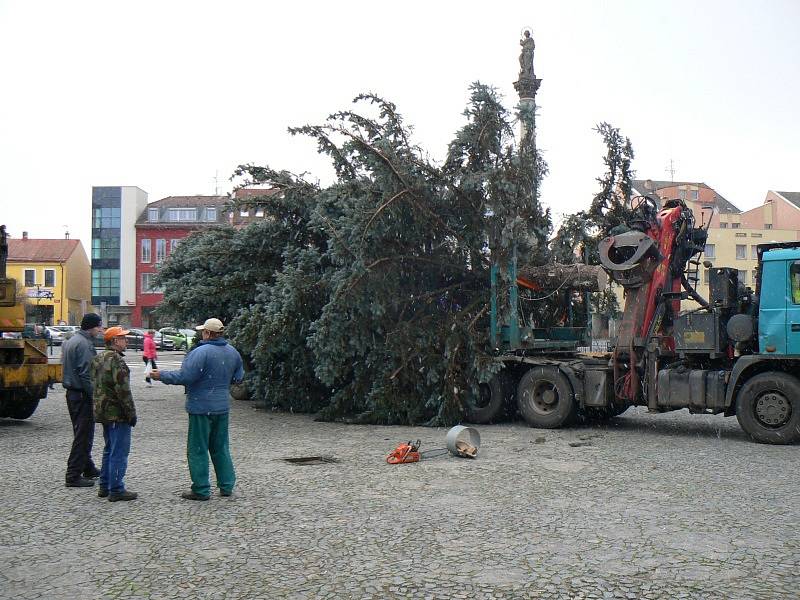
x: 114, y: 409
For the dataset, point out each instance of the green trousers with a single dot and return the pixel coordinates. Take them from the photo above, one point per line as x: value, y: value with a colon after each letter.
x: 208, y: 435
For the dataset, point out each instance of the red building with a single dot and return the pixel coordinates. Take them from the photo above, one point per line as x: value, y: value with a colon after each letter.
x: 159, y: 230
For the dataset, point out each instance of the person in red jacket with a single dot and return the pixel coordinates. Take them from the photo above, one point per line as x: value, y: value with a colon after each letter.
x: 149, y: 354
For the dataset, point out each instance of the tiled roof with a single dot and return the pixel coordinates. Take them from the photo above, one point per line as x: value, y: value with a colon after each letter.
x: 723, y: 205
x: 793, y: 197
x: 30, y: 250
x: 184, y: 202
x: 254, y: 192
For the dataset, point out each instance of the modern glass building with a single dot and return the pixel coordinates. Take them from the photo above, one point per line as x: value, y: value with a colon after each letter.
x: 114, y: 213
x: 106, y: 218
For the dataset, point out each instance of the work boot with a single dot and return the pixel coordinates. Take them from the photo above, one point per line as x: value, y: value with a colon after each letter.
x: 91, y: 473
x: 124, y: 496
x: 79, y: 482
x: 193, y: 496
x: 102, y: 492
x: 226, y: 493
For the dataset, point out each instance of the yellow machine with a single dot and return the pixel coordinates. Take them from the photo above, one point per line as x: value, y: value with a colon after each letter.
x: 25, y: 372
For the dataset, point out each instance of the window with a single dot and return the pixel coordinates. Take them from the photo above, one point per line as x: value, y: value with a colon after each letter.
x: 182, y: 214
x: 741, y: 252
x: 709, y: 251
x: 30, y: 277
x: 695, y: 194
x: 173, y: 244
x: 682, y: 194
x: 723, y: 225
x: 106, y: 218
x: 211, y: 213
x: 705, y: 276
x: 49, y: 278
x: 756, y: 235
x: 754, y: 252
x: 259, y: 212
x: 152, y: 214
x: 743, y: 277
x: 755, y: 276
x: 105, y: 282
x: 105, y: 247
x: 161, y: 250
x: 741, y: 235
x: 244, y: 212
x: 147, y: 251
x: 794, y: 277
x: 735, y: 225
x: 147, y: 283
x: 767, y: 225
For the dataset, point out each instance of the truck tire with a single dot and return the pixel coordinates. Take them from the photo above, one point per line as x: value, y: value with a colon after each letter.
x: 768, y: 408
x: 22, y: 409
x: 545, y: 399
x: 490, y: 405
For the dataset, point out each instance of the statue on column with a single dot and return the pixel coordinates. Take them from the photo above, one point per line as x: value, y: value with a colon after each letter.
x: 526, y: 56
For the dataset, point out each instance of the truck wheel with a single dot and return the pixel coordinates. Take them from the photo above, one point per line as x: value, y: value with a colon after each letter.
x: 22, y: 409
x: 545, y: 399
x: 490, y: 405
x: 768, y: 408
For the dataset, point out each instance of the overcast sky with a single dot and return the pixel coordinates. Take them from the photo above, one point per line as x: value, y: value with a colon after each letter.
x: 165, y: 95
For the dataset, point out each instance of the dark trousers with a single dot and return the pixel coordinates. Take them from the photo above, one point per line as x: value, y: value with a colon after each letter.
x: 152, y: 362
x: 115, y: 456
x: 81, y: 412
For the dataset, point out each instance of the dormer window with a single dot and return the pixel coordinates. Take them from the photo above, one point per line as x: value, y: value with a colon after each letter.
x: 182, y: 214
x: 152, y: 214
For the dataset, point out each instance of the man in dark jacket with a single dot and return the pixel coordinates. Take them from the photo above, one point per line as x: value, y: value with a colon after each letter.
x: 207, y: 373
x: 76, y: 355
x: 114, y: 408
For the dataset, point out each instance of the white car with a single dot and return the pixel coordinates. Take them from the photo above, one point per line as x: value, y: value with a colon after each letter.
x: 60, y: 333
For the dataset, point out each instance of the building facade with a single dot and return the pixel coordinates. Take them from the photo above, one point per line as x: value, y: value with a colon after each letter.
x: 160, y: 227
x: 733, y: 235
x: 114, y: 214
x: 54, y: 277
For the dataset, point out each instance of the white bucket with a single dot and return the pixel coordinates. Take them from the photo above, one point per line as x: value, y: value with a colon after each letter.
x: 459, y: 433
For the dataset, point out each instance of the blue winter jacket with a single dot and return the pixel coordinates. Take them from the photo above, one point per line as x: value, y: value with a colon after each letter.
x: 207, y: 373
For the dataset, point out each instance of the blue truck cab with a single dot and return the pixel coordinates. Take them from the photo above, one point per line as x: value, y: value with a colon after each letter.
x: 779, y: 302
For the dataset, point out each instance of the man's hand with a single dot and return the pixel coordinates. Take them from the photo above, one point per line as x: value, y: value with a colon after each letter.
x: 154, y: 374
x: 132, y: 422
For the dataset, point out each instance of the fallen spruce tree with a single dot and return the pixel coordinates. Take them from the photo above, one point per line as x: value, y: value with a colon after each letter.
x: 367, y: 299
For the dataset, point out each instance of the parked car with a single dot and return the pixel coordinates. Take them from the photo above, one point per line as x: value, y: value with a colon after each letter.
x: 61, y: 333
x: 136, y: 340
x: 181, y: 338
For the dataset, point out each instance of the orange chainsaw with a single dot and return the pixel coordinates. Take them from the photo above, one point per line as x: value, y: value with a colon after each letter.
x: 405, y: 453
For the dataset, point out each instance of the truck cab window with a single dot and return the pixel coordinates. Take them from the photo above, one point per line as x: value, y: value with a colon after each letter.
x: 794, y: 277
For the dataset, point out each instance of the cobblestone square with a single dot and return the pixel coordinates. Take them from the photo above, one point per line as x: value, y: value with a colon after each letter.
x: 646, y: 506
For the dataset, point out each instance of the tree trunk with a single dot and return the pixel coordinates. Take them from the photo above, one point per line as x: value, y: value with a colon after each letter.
x: 590, y: 278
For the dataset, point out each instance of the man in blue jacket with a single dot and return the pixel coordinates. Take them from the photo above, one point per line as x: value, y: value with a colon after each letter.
x: 207, y: 373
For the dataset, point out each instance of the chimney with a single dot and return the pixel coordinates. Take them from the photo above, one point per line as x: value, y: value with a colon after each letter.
x: 24, y: 235
x: 66, y: 235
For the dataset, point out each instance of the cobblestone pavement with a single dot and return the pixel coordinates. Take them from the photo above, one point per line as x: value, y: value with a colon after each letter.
x: 650, y: 506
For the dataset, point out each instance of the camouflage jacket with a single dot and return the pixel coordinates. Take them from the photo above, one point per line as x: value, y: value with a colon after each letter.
x: 113, y: 402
